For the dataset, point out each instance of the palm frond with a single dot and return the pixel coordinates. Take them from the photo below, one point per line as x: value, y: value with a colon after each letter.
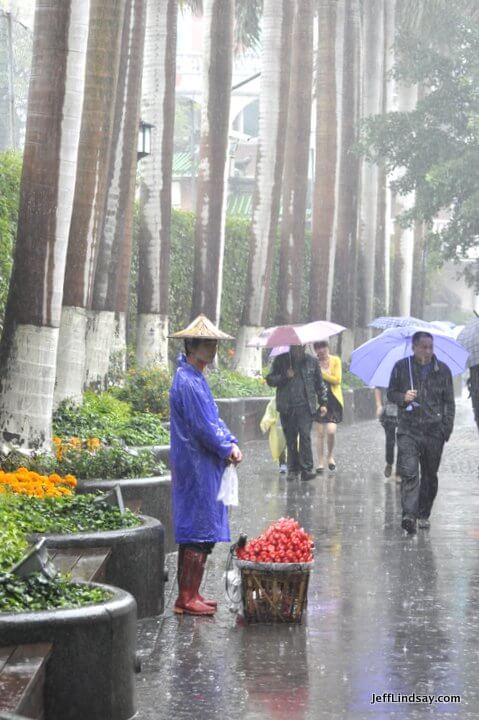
x: 247, y: 24
x: 195, y: 6
x: 429, y: 15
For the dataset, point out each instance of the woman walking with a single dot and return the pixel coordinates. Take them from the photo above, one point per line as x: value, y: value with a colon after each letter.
x: 387, y: 414
x: 331, y: 370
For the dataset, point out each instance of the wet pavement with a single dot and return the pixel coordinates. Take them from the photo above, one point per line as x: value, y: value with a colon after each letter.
x: 387, y: 613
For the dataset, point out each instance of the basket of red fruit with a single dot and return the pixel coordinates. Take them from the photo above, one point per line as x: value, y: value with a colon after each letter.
x: 275, y: 569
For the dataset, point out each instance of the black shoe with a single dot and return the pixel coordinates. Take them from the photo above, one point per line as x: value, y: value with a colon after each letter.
x: 332, y: 467
x: 308, y: 475
x: 409, y: 525
x: 291, y: 476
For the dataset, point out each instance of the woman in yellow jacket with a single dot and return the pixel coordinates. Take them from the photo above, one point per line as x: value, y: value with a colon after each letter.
x: 331, y: 370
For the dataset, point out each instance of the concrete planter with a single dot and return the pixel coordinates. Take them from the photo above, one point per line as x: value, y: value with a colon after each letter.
x: 90, y: 673
x: 149, y: 496
x: 359, y: 404
x: 243, y: 416
x: 136, y: 562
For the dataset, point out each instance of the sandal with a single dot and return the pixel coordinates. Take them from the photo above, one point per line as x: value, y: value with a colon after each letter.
x: 332, y: 466
x: 319, y: 470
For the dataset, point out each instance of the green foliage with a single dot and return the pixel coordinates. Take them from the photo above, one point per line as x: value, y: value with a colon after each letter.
x: 436, y: 146
x: 10, y: 172
x: 146, y: 391
x: 229, y: 384
x: 12, y: 545
x: 68, y: 514
x: 106, y: 463
x: 36, y: 592
x: 350, y: 381
x: 181, y: 271
x: 110, y: 419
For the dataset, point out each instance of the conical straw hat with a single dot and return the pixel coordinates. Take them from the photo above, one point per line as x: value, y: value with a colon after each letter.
x: 201, y: 327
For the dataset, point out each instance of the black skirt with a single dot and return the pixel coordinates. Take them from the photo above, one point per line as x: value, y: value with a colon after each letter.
x: 335, y: 410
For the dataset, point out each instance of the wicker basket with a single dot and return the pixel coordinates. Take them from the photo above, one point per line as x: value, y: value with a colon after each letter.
x: 274, y: 592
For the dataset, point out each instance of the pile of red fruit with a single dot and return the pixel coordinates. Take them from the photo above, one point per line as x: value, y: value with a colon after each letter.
x: 283, y: 542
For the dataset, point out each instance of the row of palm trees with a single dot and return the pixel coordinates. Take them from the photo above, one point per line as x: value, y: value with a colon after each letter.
x: 65, y: 316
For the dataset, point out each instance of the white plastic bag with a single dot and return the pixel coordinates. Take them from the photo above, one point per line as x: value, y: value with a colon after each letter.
x: 228, y: 492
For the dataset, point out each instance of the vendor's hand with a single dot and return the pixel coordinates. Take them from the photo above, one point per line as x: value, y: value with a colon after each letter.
x: 290, y: 373
x: 236, y: 455
x: 410, y: 396
x: 379, y: 410
x: 323, y: 410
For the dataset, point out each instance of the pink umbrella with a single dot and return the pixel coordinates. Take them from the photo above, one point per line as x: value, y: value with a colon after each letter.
x: 296, y: 334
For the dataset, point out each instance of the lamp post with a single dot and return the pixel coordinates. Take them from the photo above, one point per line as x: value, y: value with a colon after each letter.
x: 144, y: 140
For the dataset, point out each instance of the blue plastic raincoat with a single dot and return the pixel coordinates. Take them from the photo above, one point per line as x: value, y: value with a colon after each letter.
x: 200, y: 445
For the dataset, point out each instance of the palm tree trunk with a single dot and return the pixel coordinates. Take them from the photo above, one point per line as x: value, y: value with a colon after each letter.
x: 154, y: 239
x: 116, y: 237
x: 28, y: 347
x: 384, y: 229
x: 7, y: 98
x: 274, y: 91
x: 403, y: 237
x: 210, y: 206
x: 418, y: 285
x: 106, y: 19
x: 295, y: 182
x: 345, y: 282
x: 372, y: 104
x: 326, y: 165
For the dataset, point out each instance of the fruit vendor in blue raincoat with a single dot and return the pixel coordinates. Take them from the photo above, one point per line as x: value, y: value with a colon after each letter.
x: 201, y: 448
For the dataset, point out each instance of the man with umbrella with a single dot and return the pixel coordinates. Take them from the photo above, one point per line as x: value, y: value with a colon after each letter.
x: 421, y: 386
x: 299, y: 385
x: 201, y: 448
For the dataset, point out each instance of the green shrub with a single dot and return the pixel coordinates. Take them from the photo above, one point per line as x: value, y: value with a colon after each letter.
x: 37, y: 592
x: 10, y: 173
x: 147, y: 391
x: 108, y: 463
x: 69, y: 514
x: 12, y: 545
x: 110, y: 419
x: 350, y: 380
x: 229, y: 384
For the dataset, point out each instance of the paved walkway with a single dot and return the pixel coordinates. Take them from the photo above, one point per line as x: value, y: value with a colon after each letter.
x: 387, y: 613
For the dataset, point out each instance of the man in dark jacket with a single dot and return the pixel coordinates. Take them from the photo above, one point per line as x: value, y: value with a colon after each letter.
x: 421, y: 386
x: 299, y: 385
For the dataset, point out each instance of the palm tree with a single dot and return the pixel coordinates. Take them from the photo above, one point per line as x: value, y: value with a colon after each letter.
x: 384, y: 230
x: 274, y: 90
x: 106, y: 20
x: 344, y: 290
x: 372, y: 104
x: 210, y: 207
x: 295, y: 181
x: 328, y: 109
x: 155, y: 207
x: 116, y: 237
x: 403, y: 242
x: 29, y: 342
x: 7, y: 100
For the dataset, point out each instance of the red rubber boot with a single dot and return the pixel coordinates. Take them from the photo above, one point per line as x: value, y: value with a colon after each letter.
x: 188, y: 600
x: 181, y: 552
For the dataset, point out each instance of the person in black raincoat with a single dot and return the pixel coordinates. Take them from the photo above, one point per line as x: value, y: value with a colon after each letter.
x: 421, y: 386
x: 201, y: 448
x: 299, y: 385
